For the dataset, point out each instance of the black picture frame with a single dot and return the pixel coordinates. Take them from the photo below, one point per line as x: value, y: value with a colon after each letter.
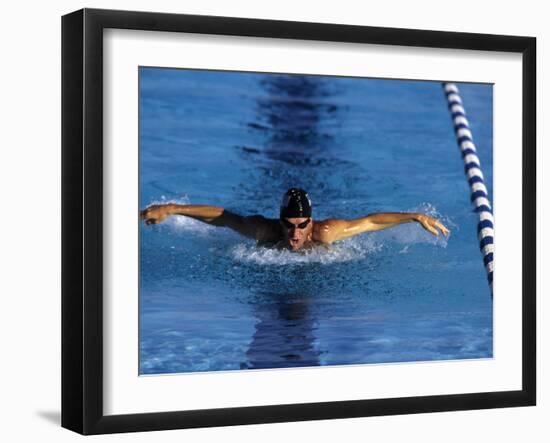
x: 82, y: 218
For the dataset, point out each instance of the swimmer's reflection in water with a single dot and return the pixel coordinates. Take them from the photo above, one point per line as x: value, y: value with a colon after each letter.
x: 295, y: 229
x: 284, y: 333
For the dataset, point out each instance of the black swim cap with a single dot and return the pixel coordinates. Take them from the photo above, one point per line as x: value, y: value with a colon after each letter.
x: 296, y: 204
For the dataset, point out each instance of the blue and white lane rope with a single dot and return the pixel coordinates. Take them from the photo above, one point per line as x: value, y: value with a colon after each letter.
x: 479, y: 195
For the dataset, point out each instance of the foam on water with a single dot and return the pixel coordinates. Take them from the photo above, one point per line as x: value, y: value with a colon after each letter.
x: 182, y: 224
x: 348, y: 250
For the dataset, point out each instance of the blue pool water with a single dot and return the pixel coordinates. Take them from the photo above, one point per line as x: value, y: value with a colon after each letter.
x: 211, y: 300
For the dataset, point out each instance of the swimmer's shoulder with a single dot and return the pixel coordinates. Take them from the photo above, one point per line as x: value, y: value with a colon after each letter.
x: 326, y: 231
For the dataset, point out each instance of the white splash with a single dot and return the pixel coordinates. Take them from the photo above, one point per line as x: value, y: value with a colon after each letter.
x: 348, y: 250
x: 180, y: 223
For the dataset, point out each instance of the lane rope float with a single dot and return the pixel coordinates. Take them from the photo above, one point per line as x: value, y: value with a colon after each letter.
x: 472, y: 168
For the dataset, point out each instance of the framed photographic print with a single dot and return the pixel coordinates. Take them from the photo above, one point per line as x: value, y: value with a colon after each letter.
x: 269, y: 221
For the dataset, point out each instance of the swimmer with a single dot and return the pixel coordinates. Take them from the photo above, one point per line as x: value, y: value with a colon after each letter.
x: 295, y: 229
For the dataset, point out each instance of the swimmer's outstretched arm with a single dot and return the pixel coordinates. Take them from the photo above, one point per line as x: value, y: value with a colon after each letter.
x: 332, y: 230
x: 251, y: 226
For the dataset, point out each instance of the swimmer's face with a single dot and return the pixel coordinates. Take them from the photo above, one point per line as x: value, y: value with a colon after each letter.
x: 297, y: 231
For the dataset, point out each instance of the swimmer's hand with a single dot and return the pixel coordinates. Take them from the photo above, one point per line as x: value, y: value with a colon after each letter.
x: 432, y: 225
x: 155, y: 214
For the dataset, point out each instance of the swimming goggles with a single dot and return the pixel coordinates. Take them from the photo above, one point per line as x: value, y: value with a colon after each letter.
x: 302, y: 225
